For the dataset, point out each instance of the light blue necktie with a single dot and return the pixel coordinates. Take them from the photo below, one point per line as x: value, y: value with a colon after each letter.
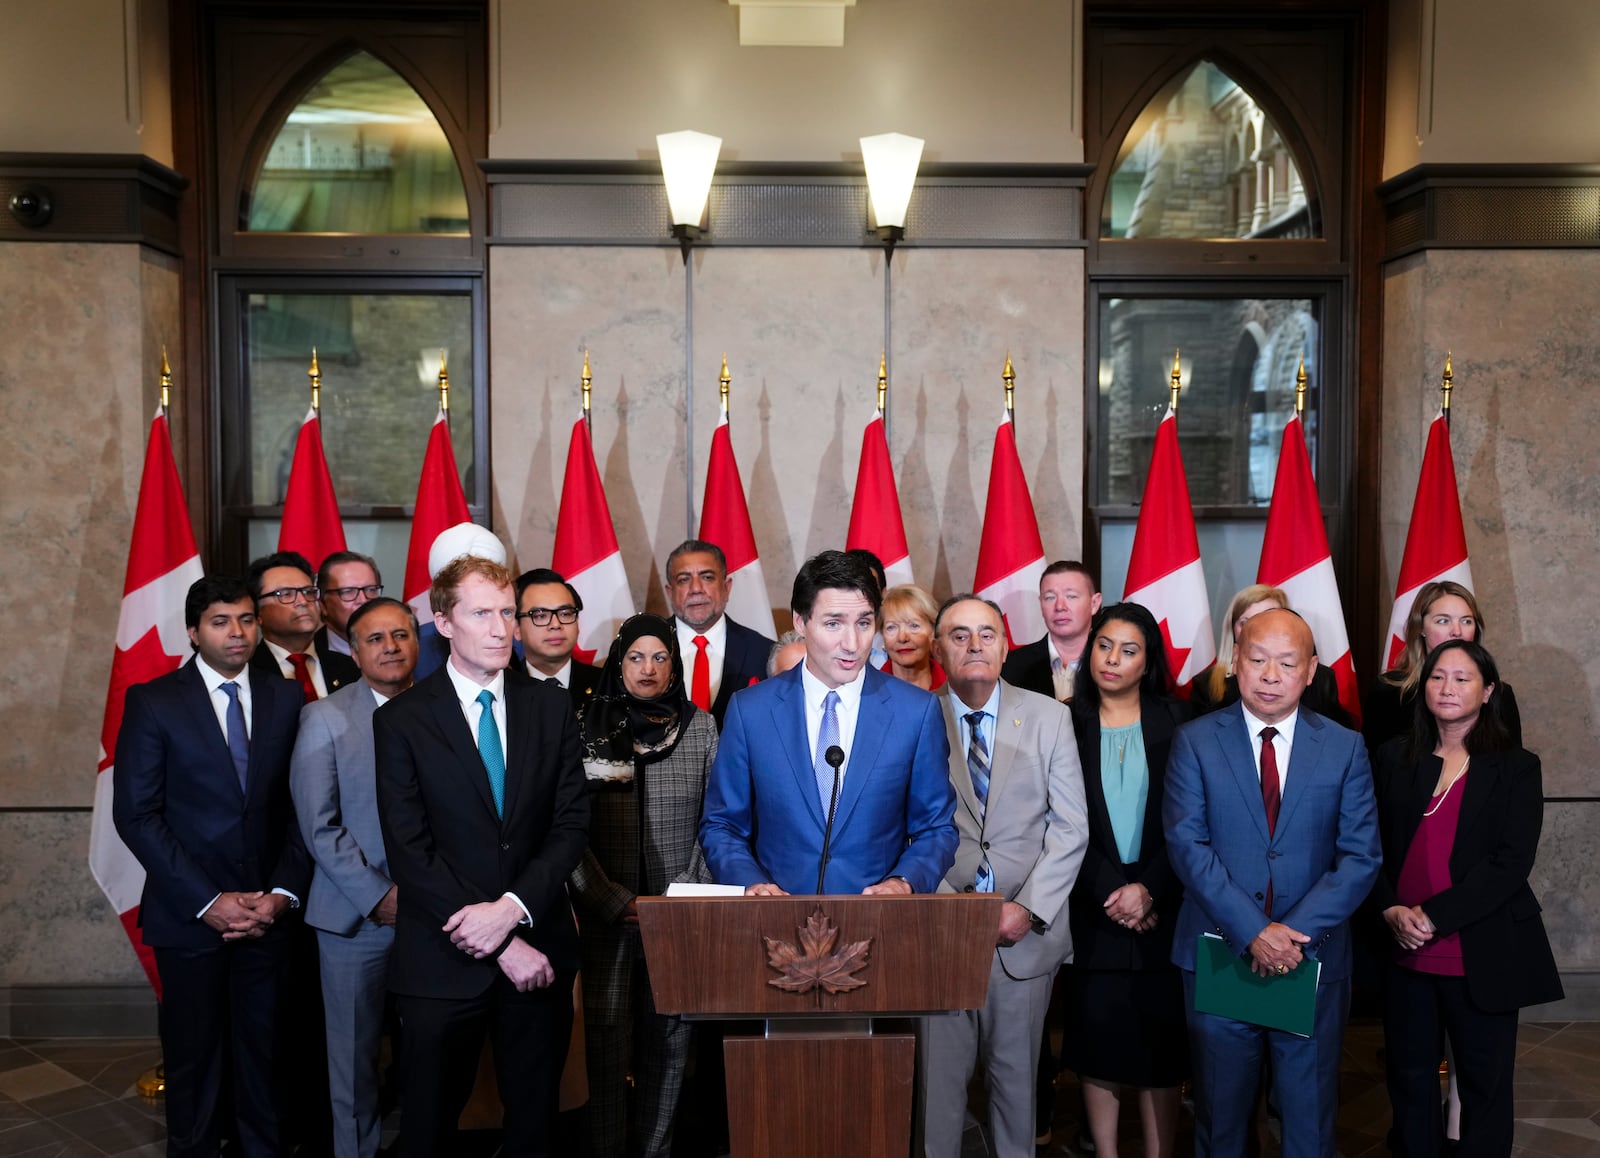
x: 978, y: 769
x: 494, y: 760
x: 827, y: 737
x: 238, y: 738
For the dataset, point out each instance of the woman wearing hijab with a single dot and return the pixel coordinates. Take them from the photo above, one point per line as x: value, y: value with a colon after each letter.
x: 647, y: 751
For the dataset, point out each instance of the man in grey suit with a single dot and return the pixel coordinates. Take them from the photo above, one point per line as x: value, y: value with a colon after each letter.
x: 1023, y: 824
x: 353, y: 901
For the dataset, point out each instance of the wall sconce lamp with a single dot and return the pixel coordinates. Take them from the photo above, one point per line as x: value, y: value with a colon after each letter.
x: 688, y: 159
x: 891, y: 160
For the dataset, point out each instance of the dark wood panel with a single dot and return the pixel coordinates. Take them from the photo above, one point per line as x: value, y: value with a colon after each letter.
x: 803, y: 1096
x: 708, y: 956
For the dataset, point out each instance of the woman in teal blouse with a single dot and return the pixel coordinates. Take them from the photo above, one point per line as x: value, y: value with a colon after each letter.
x: 1125, y: 1027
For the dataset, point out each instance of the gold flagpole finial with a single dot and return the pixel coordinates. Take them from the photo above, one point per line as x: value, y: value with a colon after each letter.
x: 724, y: 380
x: 883, y: 381
x: 444, y: 385
x: 315, y: 374
x: 1177, y: 379
x: 1009, y: 377
x: 1300, y: 389
x: 586, y: 383
x: 166, y: 380
x: 1447, y: 385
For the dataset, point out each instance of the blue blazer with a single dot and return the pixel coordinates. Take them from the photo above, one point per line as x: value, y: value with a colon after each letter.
x: 179, y: 809
x: 896, y: 813
x: 1321, y: 860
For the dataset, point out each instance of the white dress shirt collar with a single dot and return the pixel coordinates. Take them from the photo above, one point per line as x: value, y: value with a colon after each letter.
x: 467, y: 689
x: 1282, y: 744
x: 313, y: 667
x: 562, y: 677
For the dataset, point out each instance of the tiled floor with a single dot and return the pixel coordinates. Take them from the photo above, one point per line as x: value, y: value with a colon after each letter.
x: 61, y: 1098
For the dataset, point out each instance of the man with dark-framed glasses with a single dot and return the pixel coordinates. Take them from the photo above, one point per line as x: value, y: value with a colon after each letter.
x: 287, y: 604
x: 345, y: 580
x: 547, y: 624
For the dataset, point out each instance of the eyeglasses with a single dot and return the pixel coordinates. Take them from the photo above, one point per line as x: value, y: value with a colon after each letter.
x: 351, y: 594
x: 288, y: 594
x: 541, y: 616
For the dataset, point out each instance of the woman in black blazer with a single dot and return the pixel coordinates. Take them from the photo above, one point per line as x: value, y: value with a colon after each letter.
x: 1460, y: 807
x: 1125, y: 1020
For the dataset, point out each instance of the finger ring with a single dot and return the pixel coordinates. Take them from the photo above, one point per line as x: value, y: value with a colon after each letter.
x: 1283, y: 969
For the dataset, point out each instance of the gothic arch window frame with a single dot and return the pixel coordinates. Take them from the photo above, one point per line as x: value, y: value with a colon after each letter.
x: 1304, y: 70
x: 250, y: 114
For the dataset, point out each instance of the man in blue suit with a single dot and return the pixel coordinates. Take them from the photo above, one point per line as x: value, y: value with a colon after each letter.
x: 771, y: 786
x: 1272, y: 828
x: 202, y: 800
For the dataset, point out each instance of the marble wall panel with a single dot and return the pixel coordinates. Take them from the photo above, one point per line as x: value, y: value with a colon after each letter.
x: 1520, y: 325
x: 626, y: 306
x: 77, y: 395
x: 957, y: 312
x: 1563, y: 879
x: 803, y: 331
x: 60, y: 929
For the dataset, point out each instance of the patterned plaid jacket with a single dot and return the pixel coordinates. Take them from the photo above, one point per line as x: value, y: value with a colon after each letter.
x: 622, y: 862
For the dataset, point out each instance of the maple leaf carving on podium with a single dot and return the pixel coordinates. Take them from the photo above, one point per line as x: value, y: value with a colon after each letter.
x: 814, y: 963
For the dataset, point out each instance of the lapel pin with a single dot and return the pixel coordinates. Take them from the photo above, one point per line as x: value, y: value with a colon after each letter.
x: 1016, y: 722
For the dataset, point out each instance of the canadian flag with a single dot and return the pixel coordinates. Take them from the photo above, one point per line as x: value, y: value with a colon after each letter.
x: 586, y: 551
x: 441, y: 504
x: 1010, y: 552
x: 725, y: 521
x: 311, y: 523
x: 1295, y: 557
x: 151, y: 641
x: 1436, y: 542
x: 1164, y: 572
x: 875, y: 522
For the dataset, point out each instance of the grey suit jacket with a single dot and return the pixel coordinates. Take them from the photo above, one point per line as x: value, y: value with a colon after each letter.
x: 331, y: 776
x: 1036, y: 824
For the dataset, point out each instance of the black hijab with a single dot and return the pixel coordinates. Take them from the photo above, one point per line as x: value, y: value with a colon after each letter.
x: 620, y: 730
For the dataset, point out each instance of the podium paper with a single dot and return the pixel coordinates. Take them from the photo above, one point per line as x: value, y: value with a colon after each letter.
x: 1225, y: 986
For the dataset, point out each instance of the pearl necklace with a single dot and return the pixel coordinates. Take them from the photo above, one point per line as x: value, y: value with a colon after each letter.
x: 1460, y: 772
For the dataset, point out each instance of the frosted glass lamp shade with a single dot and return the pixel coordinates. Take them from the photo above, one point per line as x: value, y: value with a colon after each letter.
x: 688, y: 159
x: 891, y: 160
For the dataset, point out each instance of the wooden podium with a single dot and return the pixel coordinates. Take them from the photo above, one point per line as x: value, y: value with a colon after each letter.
x: 823, y: 1079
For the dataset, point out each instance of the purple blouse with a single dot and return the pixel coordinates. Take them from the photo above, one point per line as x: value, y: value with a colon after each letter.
x: 1425, y: 874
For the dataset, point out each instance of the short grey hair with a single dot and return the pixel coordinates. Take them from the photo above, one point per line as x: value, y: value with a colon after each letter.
x: 784, y: 641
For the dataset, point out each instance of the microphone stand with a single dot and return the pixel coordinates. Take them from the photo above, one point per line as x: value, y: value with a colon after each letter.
x: 835, y: 758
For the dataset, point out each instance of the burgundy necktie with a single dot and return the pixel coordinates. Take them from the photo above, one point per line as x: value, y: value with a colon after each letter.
x: 302, y: 672
x: 700, y: 682
x: 1271, y: 793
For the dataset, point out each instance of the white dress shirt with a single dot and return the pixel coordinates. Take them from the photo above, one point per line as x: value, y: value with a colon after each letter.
x: 562, y: 677
x: 986, y: 726
x: 214, y: 680
x: 848, y: 711
x: 716, y: 648
x: 338, y: 643
x: 467, y: 692
x: 1282, y: 743
x: 313, y: 665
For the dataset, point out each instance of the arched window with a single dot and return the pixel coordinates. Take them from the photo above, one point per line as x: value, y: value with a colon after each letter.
x: 1221, y: 191
x: 349, y: 217
x: 360, y: 153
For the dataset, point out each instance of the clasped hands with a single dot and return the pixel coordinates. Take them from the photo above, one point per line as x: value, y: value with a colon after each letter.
x: 482, y: 928
x: 1411, y: 927
x: 240, y: 915
x: 1276, y: 950
x: 1132, y: 907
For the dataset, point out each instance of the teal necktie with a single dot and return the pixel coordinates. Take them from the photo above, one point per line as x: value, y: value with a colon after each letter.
x: 489, y: 750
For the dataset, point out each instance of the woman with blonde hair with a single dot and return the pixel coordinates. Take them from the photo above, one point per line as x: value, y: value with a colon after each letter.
x: 1217, y: 687
x: 1442, y: 611
x: 909, y: 614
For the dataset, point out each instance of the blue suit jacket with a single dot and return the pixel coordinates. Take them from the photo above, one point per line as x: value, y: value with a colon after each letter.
x: 1321, y: 860
x: 179, y: 808
x: 763, y: 819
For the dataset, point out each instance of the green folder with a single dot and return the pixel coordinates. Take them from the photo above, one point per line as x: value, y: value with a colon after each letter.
x: 1225, y: 986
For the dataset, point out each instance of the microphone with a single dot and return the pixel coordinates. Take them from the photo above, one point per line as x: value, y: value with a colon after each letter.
x: 835, y: 758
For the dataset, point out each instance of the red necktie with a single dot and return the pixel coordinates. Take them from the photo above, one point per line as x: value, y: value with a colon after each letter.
x: 302, y: 672
x: 700, y: 685
x: 1271, y: 793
